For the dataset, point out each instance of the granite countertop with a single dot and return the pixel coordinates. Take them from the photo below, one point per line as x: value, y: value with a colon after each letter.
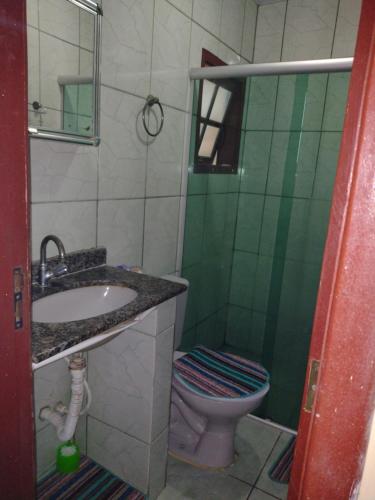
x: 49, y: 339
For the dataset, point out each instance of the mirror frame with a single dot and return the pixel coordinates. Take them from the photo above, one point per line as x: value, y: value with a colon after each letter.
x: 43, y: 133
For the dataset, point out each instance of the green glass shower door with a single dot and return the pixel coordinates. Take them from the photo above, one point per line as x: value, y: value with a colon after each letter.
x: 278, y: 217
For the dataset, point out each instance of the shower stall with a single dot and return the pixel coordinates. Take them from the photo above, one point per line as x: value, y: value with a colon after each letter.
x: 255, y: 234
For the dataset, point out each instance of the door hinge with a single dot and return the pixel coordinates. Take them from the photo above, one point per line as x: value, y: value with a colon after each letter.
x: 18, y: 297
x: 311, y: 388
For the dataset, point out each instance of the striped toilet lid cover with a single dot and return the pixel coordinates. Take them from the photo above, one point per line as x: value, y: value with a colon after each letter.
x: 220, y: 374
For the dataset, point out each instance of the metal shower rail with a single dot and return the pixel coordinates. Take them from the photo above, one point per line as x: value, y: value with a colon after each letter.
x: 277, y: 68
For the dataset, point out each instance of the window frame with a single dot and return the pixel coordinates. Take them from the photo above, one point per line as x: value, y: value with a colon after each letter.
x: 237, y: 89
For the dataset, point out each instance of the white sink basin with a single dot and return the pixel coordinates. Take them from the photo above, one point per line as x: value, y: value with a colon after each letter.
x: 81, y: 303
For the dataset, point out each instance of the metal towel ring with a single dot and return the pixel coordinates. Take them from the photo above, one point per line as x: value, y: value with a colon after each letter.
x: 150, y: 101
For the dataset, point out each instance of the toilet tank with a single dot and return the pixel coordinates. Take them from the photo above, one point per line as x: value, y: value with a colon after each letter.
x: 181, y: 301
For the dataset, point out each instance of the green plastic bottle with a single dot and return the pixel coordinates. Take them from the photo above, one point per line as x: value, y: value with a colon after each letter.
x: 67, y: 457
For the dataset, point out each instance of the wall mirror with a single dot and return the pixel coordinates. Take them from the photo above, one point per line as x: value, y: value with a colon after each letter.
x: 63, y: 38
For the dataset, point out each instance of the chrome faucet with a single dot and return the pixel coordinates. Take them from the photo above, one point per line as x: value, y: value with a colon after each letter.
x: 44, y: 272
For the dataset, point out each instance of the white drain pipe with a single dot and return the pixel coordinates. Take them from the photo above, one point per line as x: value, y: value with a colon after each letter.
x: 66, y: 425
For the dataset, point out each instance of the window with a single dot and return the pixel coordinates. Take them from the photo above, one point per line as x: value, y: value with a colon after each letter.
x: 218, y: 129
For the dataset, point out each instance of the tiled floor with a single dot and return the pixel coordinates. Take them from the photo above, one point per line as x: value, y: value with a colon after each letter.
x: 258, y: 445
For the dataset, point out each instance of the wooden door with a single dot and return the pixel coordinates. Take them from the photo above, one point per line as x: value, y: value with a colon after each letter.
x: 17, y: 462
x: 332, y: 437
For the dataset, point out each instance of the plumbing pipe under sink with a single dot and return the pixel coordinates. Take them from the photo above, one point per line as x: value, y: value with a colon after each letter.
x: 66, y: 424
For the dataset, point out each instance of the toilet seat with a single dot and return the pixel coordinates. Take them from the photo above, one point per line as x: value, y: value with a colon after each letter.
x: 216, y: 374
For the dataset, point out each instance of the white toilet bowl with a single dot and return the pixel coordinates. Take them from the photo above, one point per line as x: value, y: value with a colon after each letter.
x: 209, y: 399
x: 202, y: 426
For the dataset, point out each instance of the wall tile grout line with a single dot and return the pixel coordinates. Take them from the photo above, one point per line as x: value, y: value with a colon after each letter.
x: 210, y: 32
x: 125, y: 433
x: 141, y: 97
x: 82, y: 200
x: 148, y: 144
x: 77, y: 46
x: 284, y: 28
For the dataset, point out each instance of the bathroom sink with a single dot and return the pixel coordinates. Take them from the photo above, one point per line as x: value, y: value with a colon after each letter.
x: 81, y: 303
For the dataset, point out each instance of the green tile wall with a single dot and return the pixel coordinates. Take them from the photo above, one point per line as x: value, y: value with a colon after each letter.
x: 254, y: 241
x: 290, y: 148
x: 211, y: 216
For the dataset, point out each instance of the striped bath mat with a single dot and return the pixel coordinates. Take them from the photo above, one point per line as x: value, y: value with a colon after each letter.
x: 90, y: 481
x: 280, y: 471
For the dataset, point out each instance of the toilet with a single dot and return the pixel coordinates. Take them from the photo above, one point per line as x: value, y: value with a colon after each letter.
x: 211, y: 391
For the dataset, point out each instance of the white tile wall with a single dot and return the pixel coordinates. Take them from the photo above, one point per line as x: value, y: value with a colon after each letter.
x: 158, y: 456
x: 46, y: 445
x: 158, y: 320
x: 51, y: 385
x: 130, y: 379
x: 248, y: 35
x: 269, y: 32
x: 85, y: 62
x: 105, y: 194
x: 170, y: 55
x: 306, y: 29
x: 185, y: 6
x: 120, y: 373
x: 63, y: 171
x: 309, y: 29
x: 346, y: 29
x: 120, y: 230
x: 165, y: 154
x: 127, y: 44
x: 123, y: 455
x: 231, y: 23
x: 208, y: 14
x: 161, y: 231
x: 60, y: 19
x: 32, y: 15
x: 73, y: 222
x: 162, y: 382
x: 123, y: 150
x: 130, y: 459
x: 33, y: 64
x: 86, y: 30
x: 201, y: 38
x: 52, y: 67
x: 51, y: 118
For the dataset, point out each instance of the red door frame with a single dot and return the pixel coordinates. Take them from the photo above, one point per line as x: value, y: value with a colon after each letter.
x: 17, y: 459
x: 332, y: 439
